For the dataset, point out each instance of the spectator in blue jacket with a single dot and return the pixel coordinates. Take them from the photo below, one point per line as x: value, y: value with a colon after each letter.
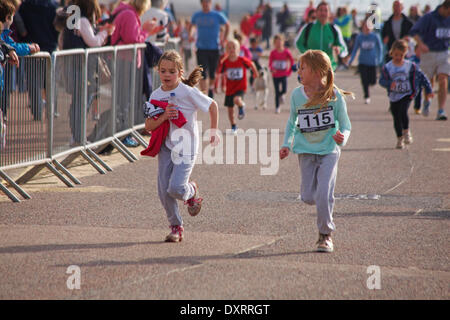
x: 6, y: 51
x: 432, y: 33
x: 370, y: 56
x: 21, y: 49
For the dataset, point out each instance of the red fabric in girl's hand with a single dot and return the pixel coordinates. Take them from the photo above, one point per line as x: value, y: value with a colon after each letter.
x: 159, y: 134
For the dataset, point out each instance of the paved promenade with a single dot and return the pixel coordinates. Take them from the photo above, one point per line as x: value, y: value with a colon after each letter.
x: 253, y: 239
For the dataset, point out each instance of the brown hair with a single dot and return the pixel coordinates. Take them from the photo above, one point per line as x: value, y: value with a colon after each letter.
x: 318, y: 61
x: 174, y: 56
x: 278, y: 36
x: 89, y: 9
x: 6, y: 9
x: 400, y: 45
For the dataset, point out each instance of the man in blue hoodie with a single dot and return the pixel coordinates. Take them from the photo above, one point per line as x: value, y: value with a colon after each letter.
x: 432, y: 33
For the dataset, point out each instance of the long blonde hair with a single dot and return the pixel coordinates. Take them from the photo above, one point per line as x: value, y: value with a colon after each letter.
x: 174, y: 56
x: 318, y: 61
x: 140, y: 5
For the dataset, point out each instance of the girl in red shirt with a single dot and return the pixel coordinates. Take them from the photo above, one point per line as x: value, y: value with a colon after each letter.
x: 280, y: 64
x: 235, y: 69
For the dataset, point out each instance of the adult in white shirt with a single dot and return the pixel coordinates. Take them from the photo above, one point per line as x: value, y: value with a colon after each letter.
x: 157, y: 13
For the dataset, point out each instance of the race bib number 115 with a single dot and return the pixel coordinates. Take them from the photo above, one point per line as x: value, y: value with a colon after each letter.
x: 310, y: 122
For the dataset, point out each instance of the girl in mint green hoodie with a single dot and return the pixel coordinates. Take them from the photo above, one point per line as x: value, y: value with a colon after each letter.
x: 317, y: 127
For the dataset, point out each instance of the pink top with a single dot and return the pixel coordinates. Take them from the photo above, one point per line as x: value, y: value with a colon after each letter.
x: 245, y: 52
x: 280, y: 63
x: 128, y: 26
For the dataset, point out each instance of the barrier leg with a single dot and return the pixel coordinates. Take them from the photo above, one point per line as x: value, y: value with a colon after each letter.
x: 123, y: 150
x: 139, y: 138
x: 96, y: 157
x: 66, y: 172
x: 14, y: 185
x: 58, y: 174
x: 92, y: 162
x: 9, y: 193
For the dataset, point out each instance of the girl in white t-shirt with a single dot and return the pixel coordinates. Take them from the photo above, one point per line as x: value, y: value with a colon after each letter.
x: 177, y: 155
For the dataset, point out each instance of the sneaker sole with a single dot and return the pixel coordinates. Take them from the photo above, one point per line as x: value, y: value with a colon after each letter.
x: 169, y: 239
x: 327, y: 250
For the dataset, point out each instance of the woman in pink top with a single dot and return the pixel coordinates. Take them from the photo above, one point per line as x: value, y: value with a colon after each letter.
x: 129, y: 31
x: 128, y: 25
x: 280, y: 64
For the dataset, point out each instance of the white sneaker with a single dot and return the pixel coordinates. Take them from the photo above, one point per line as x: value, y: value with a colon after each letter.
x: 277, y: 110
x: 400, y: 143
x: 325, y: 244
x: 176, y: 235
x: 408, y: 137
x: 367, y: 101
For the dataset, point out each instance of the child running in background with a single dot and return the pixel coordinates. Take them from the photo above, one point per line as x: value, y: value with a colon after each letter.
x: 402, y: 78
x: 176, y: 159
x: 256, y: 52
x: 280, y: 64
x: 370, y: 57
x: 318, y: 126
x: 235, y: 69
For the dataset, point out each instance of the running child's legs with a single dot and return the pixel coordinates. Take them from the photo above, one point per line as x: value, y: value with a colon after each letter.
x: 418, y: 99
x: 318, y: 181
x: 399, y: 110
x: 277, y: 82
x: 364, y: 80
x: 173, y: 184
x: 231, y: 115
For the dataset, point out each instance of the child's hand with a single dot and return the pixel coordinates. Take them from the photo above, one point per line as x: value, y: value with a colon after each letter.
x: 13, y: 58
x: 214, y: 138
x: 109, y: 28
x: 34, y: 47
x: 151, y: 26
x: 393, y: 86
x: 284, y: 152
x: 338, y: 137
x: 170, y: 113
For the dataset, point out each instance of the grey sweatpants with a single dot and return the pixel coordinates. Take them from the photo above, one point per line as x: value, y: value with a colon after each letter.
x: 173, y: 184
x: 318, y: 180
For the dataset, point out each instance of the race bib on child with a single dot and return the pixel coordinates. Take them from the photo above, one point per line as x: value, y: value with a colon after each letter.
x: 235, y: 73
x: 367, y: 45
x: 279, y: 64
x: 402, y: 86
x: 308, y: 121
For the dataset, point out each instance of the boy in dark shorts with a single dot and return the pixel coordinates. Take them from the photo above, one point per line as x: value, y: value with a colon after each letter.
x: 235, y: 69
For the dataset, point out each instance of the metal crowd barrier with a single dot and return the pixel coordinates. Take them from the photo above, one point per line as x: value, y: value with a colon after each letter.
x: 72, y: 103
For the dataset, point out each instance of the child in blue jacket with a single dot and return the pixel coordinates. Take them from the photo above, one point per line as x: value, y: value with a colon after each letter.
x: 402, y: 79
x: 370, y: 57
